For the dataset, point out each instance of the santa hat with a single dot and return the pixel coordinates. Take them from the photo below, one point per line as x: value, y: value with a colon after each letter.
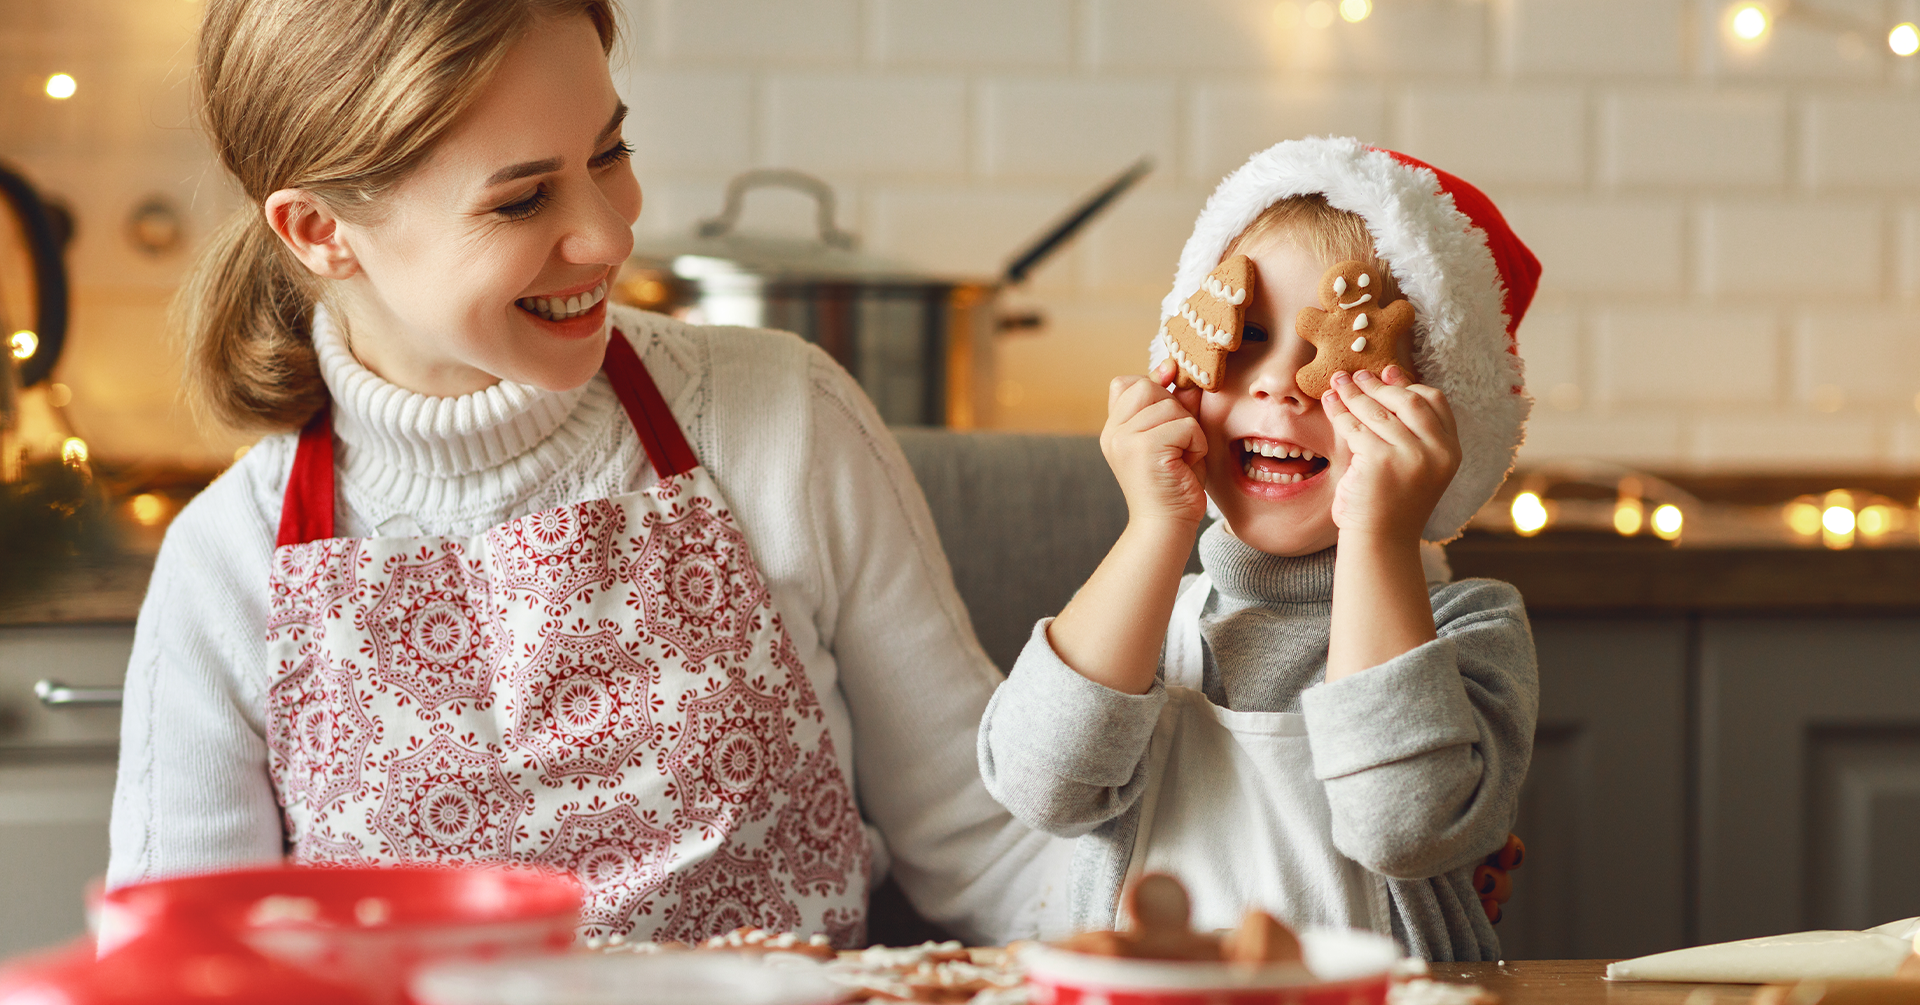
x: 1466, y: 273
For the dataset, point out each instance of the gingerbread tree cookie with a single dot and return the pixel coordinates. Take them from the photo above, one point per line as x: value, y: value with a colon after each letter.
x: 1352, y: 330
x: 1208, y: 325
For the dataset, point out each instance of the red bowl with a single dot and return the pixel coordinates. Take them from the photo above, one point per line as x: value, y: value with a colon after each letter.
x: 1341, y: 968
x: 369, y: 927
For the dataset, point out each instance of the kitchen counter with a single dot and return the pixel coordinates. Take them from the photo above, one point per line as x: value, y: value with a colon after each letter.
x: 1556, y: 573
x: 1590, y: 573
x: 1581, y: 982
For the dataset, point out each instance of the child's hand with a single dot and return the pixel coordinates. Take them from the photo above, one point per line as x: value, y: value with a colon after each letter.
x: 1404, y: 450
x: 1156, y: 449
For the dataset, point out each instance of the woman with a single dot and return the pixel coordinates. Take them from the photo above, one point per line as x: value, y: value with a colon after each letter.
x: 540, y: 579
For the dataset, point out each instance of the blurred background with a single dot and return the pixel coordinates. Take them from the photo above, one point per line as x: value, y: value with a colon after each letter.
x: 1730, y: 227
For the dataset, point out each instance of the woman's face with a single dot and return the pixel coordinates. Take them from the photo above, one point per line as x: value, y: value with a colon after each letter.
x: 492, y: 260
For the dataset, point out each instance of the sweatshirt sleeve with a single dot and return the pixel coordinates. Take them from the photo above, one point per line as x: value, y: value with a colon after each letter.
x: 193, y: 793
x: 1423, y: 756
x: 1065, y: 753
x: 914, y: 678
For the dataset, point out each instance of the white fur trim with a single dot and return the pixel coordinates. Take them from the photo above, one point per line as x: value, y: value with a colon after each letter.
x: 1444, y: 268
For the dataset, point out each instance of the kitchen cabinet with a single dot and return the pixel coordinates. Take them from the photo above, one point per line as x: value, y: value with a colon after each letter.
x: 56, y: 777
x: 1604, y: 807
x: 1809, y: 733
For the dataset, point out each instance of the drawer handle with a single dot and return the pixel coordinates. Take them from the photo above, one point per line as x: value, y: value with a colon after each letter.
x: 54, y: 694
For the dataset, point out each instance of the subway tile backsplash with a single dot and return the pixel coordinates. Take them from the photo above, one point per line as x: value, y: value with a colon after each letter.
x: 1730, y: 231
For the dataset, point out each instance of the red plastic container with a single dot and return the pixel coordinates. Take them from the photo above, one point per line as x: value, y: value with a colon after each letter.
x: 367, y: 928
x: 1341, y: 968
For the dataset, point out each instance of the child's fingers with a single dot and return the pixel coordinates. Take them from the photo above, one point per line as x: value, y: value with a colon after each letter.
x: 1413, y: 409
x: 1363, y: 405
x: 1434, y: 397
x: 1351, y: 430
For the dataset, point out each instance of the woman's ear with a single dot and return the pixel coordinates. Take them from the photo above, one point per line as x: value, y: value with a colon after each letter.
x: 309, y: 228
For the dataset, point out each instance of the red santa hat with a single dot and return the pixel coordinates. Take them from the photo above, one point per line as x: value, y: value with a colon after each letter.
x: 1466, y: 273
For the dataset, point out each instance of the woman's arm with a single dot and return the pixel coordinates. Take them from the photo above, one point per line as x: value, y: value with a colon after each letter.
x: 192, y: 792
x: 914, y: 678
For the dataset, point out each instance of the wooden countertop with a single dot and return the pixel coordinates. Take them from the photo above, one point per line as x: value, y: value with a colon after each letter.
x: 1581, y: 982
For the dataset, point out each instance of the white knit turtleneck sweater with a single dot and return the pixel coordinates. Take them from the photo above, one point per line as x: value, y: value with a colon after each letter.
x: 829, y: 507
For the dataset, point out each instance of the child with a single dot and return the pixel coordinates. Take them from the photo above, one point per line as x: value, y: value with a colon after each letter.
x: 1326, y: 732
x: 521, y: 576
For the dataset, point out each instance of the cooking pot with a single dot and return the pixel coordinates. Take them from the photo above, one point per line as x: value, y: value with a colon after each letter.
x: 920, y: 344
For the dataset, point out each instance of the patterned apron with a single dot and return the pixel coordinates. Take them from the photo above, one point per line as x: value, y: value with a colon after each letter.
x: 604, y: 688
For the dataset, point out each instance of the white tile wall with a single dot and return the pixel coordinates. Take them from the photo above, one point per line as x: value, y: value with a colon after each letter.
x: 1730, y: 233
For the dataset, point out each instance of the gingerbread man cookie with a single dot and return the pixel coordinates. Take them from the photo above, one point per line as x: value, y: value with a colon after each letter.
x: 1208, y: 325
x: 1352, y: 330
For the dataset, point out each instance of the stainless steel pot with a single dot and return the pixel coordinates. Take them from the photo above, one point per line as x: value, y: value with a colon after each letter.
x: 920, y: 344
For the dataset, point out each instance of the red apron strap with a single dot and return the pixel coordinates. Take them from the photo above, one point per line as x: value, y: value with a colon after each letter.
x: 667, y: 447
x: 306, y: 514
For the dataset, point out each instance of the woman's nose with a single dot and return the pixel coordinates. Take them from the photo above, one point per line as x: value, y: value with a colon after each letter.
x: 602, y: 231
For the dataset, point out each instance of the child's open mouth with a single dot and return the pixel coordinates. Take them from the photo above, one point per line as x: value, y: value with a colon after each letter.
x: 1277, y: 463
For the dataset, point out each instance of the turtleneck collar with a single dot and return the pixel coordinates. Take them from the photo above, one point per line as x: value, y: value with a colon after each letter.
x: 438, y: 437
x: 1241, y: 571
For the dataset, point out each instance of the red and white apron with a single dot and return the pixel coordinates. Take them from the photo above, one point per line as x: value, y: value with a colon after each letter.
x: 603, y: 688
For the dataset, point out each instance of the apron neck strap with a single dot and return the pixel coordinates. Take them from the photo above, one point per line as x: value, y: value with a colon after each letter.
x: 667, y: 447
x: 307, y: 512
x: 1186, y: 661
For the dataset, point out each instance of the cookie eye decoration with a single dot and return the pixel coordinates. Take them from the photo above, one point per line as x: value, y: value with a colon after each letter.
x: 1331, y: 328
x: 1209, y: 324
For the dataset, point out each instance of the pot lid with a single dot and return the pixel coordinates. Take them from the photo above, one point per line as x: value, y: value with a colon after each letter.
x: 717, y: 251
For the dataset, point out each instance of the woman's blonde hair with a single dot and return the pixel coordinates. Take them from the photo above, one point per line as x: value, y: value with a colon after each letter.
x: 341, y: 98
x: 1329, y: 234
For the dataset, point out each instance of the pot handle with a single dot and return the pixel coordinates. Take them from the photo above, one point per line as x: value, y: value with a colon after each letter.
x: 822, y: 193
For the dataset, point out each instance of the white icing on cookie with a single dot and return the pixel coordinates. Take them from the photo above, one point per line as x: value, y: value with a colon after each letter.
x: 1222, y: 291
x: 1359, y: 344
x: 1364, y: 297
x: 1214, y: 336
x: 1359, y: 321
x: 1364, y: 280
x: 1339, y: 285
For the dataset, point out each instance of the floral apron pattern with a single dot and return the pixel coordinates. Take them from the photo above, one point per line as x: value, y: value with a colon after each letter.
x: 604, y: 688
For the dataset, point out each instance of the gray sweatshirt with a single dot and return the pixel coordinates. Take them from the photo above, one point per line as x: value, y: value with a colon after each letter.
x: 1422, y: 756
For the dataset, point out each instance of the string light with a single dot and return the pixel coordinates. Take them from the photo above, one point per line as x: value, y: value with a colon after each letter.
x: 1803, y: 517
x: 23, y: 344
x: 1628, y: 516
x: 1904, y: 39
x: 147, y: 508
x: 1667, y: 521
x: 1749, y: 22
x: 1355, y: 11
x: 1836, y: 519
x: 61, y: 86
x: 73, y: 452
x: 1875, y: 521
x: 1529, y: 514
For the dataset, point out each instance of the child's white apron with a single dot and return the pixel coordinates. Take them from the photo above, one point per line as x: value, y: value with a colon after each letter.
x: 604, y: 688
x: 1233, y: 809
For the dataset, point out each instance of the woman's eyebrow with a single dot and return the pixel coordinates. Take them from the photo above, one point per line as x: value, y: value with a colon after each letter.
x: 525, y: 168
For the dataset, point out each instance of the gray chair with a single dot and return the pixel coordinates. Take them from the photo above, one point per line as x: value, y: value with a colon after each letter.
x: 1024, y: 519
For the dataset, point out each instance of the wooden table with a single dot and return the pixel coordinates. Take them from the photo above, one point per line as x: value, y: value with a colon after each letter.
x: 1580, y: 982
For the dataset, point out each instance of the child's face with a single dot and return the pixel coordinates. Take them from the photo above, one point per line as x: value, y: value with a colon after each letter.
x: 1260, y: 427
x: 528, y: 197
